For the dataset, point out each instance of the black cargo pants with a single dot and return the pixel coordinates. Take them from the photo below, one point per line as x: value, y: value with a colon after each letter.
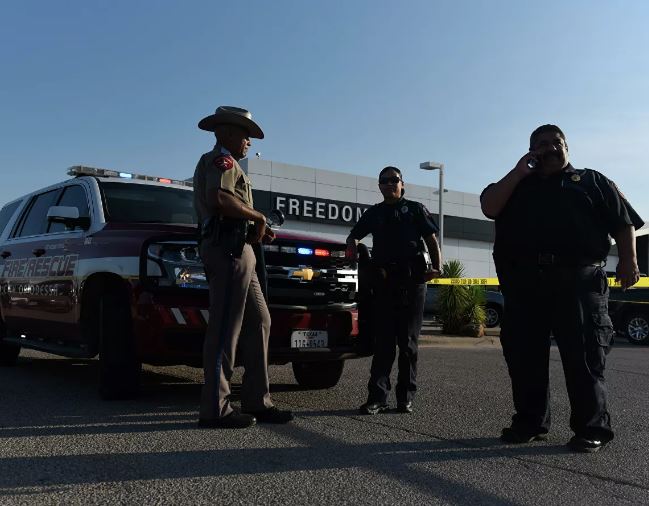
x: 571, y: 303
x: 396, y: 321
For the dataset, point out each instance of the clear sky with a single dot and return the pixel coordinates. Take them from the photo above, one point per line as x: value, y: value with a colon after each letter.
x: 341, y: 85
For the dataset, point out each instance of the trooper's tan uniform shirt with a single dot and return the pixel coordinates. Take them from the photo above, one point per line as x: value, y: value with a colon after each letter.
x: 212, y: 174
x: 238, y: 311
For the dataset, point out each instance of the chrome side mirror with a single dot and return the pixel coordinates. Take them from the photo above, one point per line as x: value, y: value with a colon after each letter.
x: 275, y: 218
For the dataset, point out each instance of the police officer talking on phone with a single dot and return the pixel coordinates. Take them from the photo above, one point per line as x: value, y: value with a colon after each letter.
x: 238, y: 316
x: 399, y: 229
x: 553, y: 223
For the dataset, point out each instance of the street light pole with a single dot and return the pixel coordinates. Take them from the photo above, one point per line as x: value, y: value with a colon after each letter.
x: 440, y: 167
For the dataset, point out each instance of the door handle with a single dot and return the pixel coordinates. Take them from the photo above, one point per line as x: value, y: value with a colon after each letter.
x: 38, y: 252
x: 5, y: 254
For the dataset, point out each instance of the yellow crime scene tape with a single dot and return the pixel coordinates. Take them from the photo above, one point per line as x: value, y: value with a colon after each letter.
x: 643, y: 283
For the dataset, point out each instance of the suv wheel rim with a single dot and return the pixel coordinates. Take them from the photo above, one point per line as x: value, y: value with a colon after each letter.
x: 638, y: 328
x: 492, y: 316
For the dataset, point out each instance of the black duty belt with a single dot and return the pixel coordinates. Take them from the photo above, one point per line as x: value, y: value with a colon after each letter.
x: 553, y: 260
x: 397, y: 273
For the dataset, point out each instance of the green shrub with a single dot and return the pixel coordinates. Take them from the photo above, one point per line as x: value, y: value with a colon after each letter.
x: 461, y: 307
x: 475, y: 316
x: 452, y: 299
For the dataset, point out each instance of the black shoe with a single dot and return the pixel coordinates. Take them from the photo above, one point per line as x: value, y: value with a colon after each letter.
x: 404, y: 407
x: 584, y: 445
x: 273, y: 415
x: 373, y: 408
x: 234, y: 420
x: 510, y: 435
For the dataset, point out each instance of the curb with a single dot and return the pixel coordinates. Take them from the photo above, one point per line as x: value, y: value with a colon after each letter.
x: 489, y: 341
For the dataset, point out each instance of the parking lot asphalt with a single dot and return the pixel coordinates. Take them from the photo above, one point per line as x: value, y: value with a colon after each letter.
x: 60, y: 444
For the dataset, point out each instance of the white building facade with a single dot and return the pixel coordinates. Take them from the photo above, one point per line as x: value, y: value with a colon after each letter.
x: 329, y: 204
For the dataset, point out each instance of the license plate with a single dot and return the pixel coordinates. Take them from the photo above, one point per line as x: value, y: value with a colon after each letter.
x: 309, y: 339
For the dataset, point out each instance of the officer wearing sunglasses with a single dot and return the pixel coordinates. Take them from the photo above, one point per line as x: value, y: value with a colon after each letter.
x: 399, y: 229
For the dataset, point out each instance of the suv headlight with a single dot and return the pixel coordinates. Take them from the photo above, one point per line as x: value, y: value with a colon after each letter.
x: 176, y: 264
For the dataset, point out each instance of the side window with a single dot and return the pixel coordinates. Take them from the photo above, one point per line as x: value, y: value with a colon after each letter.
x: 35, y: 221
x: 6, y: 213
x: 73, y: 196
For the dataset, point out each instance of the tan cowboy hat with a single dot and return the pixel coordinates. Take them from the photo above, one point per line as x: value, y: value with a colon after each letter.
x: 228, y: 115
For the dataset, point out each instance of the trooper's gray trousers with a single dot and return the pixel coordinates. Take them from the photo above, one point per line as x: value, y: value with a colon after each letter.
x: 239, y: 317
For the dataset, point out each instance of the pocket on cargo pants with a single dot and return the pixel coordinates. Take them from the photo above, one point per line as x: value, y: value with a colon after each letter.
x: 599, y: 344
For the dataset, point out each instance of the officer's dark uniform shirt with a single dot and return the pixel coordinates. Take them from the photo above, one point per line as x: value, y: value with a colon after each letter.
x: 396, y: 230
x: 569, y: 214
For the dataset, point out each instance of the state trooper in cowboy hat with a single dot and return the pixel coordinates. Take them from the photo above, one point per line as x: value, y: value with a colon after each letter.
x: 238, y: 310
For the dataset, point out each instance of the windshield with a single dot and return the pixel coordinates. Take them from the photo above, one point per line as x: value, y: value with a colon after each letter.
x: 140, y: 203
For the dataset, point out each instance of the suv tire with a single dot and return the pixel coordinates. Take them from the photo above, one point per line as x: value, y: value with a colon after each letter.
x: 8, y: 354
x: 318, y: 375
x: 494, y: 315
x: 8, y: 351
x: 119, y: 368
x: 636, y: 327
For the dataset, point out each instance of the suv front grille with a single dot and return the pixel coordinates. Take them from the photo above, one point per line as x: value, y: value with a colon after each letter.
x: 307, y: 285
x: 309, y: 279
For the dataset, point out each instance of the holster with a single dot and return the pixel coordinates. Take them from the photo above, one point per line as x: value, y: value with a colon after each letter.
x: 401, y: 273
x: 228, y: 233
x: 421, y: 265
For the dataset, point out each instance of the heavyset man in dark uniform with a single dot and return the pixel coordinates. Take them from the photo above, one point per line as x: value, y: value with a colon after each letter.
x: 552, y: 239
x: 238, y: 315
x: 397, y: 226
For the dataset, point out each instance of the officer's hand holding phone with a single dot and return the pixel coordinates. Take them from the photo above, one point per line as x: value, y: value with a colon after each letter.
x: 528, y: 164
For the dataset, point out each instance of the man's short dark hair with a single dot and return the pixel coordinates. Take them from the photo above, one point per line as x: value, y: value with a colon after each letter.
x: 389, y: 167
x: 543, y: 129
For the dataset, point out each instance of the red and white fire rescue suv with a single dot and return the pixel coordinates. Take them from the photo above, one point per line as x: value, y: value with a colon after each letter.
x: 106, y: 263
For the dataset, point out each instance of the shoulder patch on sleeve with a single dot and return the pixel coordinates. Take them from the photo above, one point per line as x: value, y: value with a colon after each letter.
x: 610, y: 182
x: 617, y: 189
x: 224, y: 162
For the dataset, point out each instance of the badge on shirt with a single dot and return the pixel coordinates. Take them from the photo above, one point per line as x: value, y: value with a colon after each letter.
x: 224, y: 162
x: 576, y: 178
x: 404, y: 209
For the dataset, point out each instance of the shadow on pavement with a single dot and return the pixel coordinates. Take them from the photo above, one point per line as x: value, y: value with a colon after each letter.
x: 396, y: 460
x: 169, y: 403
